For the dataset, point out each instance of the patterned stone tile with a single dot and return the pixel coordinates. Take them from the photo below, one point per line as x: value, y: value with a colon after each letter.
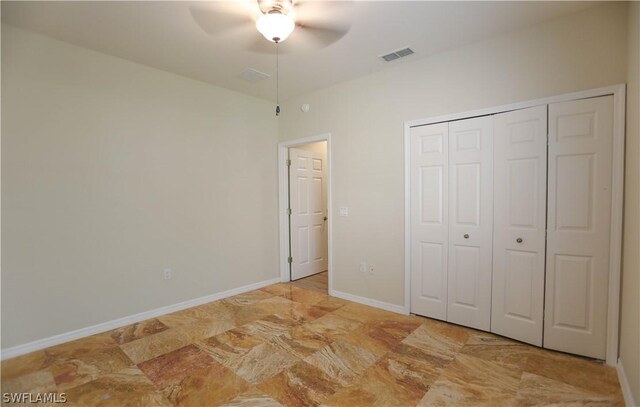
x: 300, y: 385
x: 386, y: 383
x: 253, y: 397
x: 261, y: 362
x: 294, y: 311
x: 286, y: 345
x: 174, y: 366
x: 127, y: 387
x: 40, y: 381
x: 212, y: 385
x: 22, y: 365
x: 454, y: 333
x: 499, y: 350
x: 471, y: 381
x: 364, y: 313
x: 305, y: 296
x: 268, y: 327
x: 537, y: 390
x: 86, y: 368
x: 278, y: 289
x: 585, y: 373
x: 138, y: 330
x: 184, y: 317
x: 342, y: 361
x: 249, y: 298
x: 434, y: 342
x: 156, y: 345
x: 331, y: 304
x: 79, y: 347
x: 388, y: 331
x: 242, y: 314
x: 206, y: 328
x: 296, y: 294
x: 333, y: 326
x: 229, y: 345
x: 301, y: 341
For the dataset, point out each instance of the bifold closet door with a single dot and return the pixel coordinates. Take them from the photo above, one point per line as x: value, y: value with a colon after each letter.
x: 470, y: 222
x: 520, y: 200
x: 429, y: 226
x: 578, y: 226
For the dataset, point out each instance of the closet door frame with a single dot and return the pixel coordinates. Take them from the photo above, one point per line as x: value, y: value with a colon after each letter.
x: 615, y: 259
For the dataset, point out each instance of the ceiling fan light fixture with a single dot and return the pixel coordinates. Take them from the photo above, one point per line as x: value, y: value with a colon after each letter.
x: 275, y: 26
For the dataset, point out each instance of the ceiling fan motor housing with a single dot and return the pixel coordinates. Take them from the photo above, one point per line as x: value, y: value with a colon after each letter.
x: 278, y: 6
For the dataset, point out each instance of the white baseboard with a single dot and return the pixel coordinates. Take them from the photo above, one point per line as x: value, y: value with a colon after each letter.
x: 624, y: 384
x: 18, y: 350
x: 368, y: 301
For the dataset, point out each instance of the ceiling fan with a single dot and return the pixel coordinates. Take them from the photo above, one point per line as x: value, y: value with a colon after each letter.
x: 276, y: 20
x: 316, y: 24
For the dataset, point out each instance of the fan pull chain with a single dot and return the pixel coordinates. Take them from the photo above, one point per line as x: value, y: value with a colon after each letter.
x: 277, y: 81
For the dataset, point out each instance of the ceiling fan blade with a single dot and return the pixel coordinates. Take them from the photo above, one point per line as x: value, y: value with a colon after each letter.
x: 320, y: 35
x: 218, y: 18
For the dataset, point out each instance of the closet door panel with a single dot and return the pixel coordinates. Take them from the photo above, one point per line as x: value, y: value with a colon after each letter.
x: 429, y: 217
x: 579, y: 216
x: 520, y: 185
x: 470, y: 222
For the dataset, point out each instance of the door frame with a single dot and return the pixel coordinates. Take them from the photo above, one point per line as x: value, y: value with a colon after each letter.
x: 283, y: 195
x: 617, y: 193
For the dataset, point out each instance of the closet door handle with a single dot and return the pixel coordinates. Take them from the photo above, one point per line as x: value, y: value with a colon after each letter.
x: 519, y: 240
x: 466, y: 235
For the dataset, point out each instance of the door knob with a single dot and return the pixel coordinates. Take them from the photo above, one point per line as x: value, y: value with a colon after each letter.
x: 325, y: 218
x: 466, y: 235
x: 519, y: 240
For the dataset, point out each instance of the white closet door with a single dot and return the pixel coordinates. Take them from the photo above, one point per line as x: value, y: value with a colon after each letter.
x: 308, y: 208
x: 470, y: 222
x: 520, y: 199
x: 580, y: 148
x: 429, y: 206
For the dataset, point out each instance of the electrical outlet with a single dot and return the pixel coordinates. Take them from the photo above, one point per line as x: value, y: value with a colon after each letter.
x: 344, y: 211
x: 363, y: 267
x: 370, y: 268
x: 166, y: 274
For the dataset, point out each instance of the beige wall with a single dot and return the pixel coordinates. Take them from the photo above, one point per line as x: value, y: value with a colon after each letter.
x: 630, y: 312
x: 366, y: 118
x: 112, y: 171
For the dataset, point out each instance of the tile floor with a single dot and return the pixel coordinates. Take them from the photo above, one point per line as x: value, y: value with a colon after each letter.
x: 286, y: 345
x: 316, y: 282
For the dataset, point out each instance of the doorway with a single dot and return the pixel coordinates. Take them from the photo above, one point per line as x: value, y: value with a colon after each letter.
x: 305, y: 221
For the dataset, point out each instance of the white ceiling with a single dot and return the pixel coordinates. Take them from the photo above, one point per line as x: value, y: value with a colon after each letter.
x: 214, y: 48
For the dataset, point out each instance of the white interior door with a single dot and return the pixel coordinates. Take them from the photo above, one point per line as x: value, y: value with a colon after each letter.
x: 578, y: 225
x: 429, y: 223
x: 470, y: 222
x: 520, y: 199
x: 308, y: 222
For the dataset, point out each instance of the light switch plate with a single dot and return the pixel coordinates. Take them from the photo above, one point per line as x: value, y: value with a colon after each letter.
x: 344, y: 211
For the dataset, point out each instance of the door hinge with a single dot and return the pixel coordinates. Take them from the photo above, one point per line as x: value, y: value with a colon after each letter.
x: 288, y: 162
x: 290, y: 260
x: 288, y: 211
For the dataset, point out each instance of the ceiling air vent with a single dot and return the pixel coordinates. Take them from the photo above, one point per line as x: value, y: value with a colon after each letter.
x: 397, y: 54
x: 252, y: 75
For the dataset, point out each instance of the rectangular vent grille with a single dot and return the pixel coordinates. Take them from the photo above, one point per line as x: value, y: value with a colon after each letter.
x: 392, y: 56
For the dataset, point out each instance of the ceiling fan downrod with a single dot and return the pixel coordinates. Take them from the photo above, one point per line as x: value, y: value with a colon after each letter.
x: 277, y: 80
